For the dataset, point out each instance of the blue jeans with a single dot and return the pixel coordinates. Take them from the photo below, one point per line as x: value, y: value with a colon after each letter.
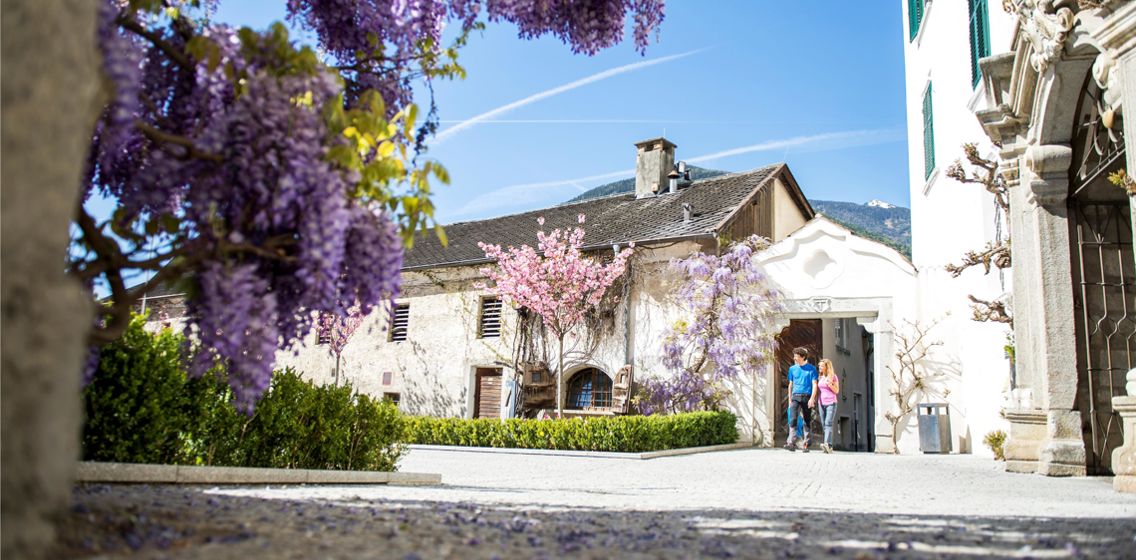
x: 800, y: 404
x: 827, y: 414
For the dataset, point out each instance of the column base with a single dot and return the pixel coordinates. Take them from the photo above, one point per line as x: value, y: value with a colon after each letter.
x: 1023, y: 443
x: 1124, y: 457
x: 1063, y: 453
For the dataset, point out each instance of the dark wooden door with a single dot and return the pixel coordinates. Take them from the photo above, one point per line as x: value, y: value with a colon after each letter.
x: 800, y: 332
x: 487, y: 398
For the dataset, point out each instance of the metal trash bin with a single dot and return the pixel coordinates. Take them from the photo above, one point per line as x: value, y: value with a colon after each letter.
x: 934, y: 428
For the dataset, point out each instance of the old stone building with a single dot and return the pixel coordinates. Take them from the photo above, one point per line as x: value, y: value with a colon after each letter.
x: 450, y: 348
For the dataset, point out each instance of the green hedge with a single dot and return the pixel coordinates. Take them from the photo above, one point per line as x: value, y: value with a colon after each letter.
x: 142, y: 408
x: 634, y: 434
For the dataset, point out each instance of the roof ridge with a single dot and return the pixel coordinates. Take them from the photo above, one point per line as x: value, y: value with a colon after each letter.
x: 616, y: 195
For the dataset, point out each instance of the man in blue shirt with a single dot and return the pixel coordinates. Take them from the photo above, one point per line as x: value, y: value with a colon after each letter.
x: 802, y: 396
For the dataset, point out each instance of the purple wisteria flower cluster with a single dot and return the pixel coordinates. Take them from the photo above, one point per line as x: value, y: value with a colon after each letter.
x: 730, y: 309
x: 275, y: 181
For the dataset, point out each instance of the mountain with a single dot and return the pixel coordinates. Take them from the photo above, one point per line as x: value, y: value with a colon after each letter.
x: 877, y: 220
x: 628, y: 185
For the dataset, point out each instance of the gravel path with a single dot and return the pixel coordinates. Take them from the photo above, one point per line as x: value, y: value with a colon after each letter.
x: 746, y: 503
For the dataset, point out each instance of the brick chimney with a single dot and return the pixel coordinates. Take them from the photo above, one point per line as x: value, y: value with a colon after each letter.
x: 654, y: 158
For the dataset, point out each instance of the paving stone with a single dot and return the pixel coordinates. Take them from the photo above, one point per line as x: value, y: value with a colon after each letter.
x: 748, y: 503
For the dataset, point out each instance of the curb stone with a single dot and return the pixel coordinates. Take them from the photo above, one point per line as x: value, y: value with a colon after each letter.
x: 135, y: 473
x: 592, y: 454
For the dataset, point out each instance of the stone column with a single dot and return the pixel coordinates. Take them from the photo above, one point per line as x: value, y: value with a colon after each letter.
x: 1063, y: 449
x: 1115, y: 70
x: 1023, y: 443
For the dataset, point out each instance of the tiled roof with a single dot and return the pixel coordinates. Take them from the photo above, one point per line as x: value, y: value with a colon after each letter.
x: 612, y: 219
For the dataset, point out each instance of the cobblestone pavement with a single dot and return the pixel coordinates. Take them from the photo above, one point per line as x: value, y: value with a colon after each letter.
x: 745, y: 503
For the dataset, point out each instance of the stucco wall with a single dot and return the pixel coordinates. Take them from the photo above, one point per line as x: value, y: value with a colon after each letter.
x: 949, y: 218
x: 787, y: 216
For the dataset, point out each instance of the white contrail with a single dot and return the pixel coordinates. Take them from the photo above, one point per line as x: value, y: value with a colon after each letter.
x: 864, y: 136
x: 612, y: 72
x: 590, y: 121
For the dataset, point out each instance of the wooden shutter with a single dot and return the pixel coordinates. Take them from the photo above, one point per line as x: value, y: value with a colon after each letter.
x: 400, y: 322
x: 928, y: 134
x: 489, y: 325
x: 979, y: 38
x: 914, y: 17
x: 488, y: 397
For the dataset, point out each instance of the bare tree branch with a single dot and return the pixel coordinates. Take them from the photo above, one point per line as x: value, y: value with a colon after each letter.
x: 911, y: 378
x: 993, y: 255
x: 991, y: 311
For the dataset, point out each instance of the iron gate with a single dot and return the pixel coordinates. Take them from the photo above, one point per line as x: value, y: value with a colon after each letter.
x: 1105, y: 321
x: 1104, y: 296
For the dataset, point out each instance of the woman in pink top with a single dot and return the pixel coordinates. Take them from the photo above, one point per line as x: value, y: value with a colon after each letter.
x: 829, y: 387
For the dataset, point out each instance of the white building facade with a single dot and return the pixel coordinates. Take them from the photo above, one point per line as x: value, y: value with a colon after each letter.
x: 943, y: 41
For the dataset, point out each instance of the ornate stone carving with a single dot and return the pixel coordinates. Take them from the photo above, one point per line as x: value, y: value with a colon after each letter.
x: 1050, y: 166
x: 1045, y: 24
x: 819, y: 304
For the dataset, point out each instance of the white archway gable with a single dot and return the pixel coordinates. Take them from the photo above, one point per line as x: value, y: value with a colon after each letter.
x: 823, y: 257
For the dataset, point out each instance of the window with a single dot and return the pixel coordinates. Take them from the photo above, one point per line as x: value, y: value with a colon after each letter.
x: 489, y: 325
x: 392, y: 397
x: 589, y: 388
x: 841, y: 337
x: 928, y: 135
x: 400, y: 321
x: 979, y: 37
x: 388, y: 377
x: 914, y: 17
x: 537, y: 377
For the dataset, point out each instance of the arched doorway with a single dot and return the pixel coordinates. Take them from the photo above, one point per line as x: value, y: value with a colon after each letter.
x: 589, y: 389
x: 1104, y: 294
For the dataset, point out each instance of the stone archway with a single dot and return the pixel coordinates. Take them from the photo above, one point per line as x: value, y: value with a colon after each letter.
x: 875, y: 315
x: 1036, y: 116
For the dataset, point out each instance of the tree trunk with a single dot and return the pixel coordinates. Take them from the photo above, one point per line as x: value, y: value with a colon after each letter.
x: 560, y: 382
x: 337, y: 370
x: 50, y: 100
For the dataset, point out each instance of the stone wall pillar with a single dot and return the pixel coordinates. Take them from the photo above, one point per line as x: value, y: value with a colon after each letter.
x: 1046, y: 175
x: 1116, y: 70
x: 1023, y: 444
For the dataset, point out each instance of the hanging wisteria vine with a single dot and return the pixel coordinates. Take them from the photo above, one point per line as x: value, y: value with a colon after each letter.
x: 276, y: 182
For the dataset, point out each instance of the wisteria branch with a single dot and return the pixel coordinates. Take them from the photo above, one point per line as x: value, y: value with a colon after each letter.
x: 991, y: 311
x: 993, y: 255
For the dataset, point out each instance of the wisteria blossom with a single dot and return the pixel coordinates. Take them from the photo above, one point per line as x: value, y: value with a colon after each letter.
x: 728, y: 329
x: 279, y: 181
x: 555, y: 280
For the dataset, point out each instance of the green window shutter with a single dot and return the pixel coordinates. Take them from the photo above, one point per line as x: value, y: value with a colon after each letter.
x: 914, y: 17
x: 979, y: 37
x: 928, y: 135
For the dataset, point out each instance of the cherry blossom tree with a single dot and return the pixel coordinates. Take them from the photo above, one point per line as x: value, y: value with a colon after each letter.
x: 337, y: 330
x: 727, y: 330
x: 556, y: 281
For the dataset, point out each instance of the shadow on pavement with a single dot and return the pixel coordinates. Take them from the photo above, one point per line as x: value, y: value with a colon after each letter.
x: 195, y: 522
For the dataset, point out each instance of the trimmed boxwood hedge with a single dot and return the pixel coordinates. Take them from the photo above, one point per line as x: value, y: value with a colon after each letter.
x: 633, y: 434
x: 141, y: 407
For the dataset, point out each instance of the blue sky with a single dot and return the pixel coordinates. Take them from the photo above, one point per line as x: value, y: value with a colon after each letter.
x: 818, y: 85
